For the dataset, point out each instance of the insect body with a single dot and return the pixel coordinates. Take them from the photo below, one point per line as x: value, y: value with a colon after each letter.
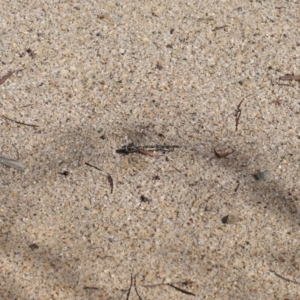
x: 132, y: 148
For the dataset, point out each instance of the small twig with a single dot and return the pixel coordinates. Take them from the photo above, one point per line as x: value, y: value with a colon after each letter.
x: 235, y: 190
x: 28, y: 105
x: 90, y: 165
x: 180, y: 290
x: 286, y: 279
x: 237, y: 119
x: 238, y: 113
x: 135, y: 287
x: 18, y: 122
x: 4, y: 78
x: 90, y: 288
x: 219, y: 28
x: 129, y: 290
x: 172, y: 284
x: 205, y: 19
x: 290, y: 77
x: 220, y: 155
x: 177, y: 169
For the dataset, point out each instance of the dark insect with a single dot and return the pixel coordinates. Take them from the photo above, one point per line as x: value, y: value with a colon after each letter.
x: 64, y: 173
x: 148, y: 150
x: 145, y: 199
x: 31, y: 53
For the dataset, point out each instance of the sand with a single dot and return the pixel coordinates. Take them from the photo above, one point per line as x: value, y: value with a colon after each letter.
x: 92, y: 76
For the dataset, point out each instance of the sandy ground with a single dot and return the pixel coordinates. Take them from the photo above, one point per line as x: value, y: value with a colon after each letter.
x: 96, y: 75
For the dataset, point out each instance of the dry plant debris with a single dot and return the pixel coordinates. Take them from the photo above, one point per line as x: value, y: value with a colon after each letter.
x: 4, y: 78
x: 12, y: 163
x: 174, y: 285
x: 108, y: 176
x: 284, y: 278
x: 238, y: 113
x: 290, y: 77
x: 18, y: 122
x: 224, y: 154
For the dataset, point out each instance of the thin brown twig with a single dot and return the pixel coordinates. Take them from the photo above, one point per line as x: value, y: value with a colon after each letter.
x: 129, y: 290
x: 135, y: 287
x: 4, y: 78
x: 238, y: 113
x: 177, y: 169
x: 172, y: 284
x: 235, y: 190
x: 220, y: 27
x: 18, y: 122
x: 90, y: 165
x: 286, y: 279
x: 28, y: 105
x: 180, y: 289
x: 237, y: 117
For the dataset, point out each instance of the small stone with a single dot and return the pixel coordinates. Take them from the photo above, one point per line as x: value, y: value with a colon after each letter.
x: 238, y: 264
x: 230, y: 219
x: 33, y: 246
x: 101, y: 132
x: 246, y: 82
x: 262, y: 175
